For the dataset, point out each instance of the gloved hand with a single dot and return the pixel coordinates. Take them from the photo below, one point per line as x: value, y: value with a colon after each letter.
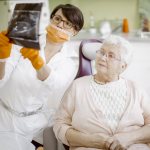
x: 33, y: 56
x: 5, y: 45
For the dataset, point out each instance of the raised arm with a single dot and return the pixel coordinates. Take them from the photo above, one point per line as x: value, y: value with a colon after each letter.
x: 2, y: 70
x: 9, y: 58
x: 5, y: 50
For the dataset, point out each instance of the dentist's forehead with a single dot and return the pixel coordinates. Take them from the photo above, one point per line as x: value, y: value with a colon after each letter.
x: 60, y: 13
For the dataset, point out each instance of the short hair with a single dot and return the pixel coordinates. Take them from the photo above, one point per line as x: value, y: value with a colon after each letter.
x: 125, y: 47
x: 72, y: 13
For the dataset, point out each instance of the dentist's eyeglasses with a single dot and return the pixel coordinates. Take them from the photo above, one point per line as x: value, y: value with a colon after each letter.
x: 56, y: 19
x: 110, y: 56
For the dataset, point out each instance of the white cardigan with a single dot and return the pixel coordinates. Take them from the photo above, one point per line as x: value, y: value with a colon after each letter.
x: 79, y: 111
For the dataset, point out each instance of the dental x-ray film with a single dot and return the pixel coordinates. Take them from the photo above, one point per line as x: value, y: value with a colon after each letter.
x: 23, y: 28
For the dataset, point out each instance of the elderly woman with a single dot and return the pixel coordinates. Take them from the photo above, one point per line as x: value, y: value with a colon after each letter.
x: 105, y: 111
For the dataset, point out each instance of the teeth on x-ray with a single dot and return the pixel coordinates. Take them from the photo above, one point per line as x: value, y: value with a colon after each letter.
x: 23, y: 28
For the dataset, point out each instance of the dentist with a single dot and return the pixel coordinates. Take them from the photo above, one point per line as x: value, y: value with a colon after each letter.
x: 33, y: 82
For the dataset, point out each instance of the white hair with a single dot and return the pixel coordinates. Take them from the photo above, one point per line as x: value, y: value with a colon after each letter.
x: 125, y: 47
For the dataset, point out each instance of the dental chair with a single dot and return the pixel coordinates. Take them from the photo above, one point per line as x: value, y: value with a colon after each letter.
x: 87, y: 53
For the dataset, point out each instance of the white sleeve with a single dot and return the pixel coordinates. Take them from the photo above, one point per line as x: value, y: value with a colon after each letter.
x: 65, y: 69
x: 64, y: 115
x: 11, y: 63
x: 61, y: 76
x: 145, y: 105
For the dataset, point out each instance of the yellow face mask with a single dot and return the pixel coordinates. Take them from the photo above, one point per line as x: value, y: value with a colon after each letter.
x: 57, y: 35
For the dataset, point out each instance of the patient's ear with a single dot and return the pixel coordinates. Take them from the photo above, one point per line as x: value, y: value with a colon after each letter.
x: 123, y: 66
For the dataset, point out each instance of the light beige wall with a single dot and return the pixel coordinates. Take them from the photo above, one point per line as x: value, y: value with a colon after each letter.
x: 101, y: 9
x: 3, y: 15
x: 54, y: 3
x: 106, y: 9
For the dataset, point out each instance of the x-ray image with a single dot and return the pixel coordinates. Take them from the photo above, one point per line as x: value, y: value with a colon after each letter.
x: 25, y: 25
x: 23, y: 28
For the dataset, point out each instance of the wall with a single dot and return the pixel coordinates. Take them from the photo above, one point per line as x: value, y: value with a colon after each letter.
x: 54, y: 3
x: 6, y: 10
x: 139, y: 69
x: 101, y: 9
x: 105, y: 9
x: 144, y: 8
x: 3, y: 15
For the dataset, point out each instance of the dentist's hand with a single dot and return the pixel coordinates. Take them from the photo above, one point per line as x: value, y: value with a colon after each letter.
x: 5, y: 45
x: 33, y: 55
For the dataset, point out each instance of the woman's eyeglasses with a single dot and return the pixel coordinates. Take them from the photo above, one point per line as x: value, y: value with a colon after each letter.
x: 66, y: 24
x: 110, y: 56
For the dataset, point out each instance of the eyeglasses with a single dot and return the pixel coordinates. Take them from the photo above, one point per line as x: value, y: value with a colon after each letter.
x: 110, y: 56
x: 66, y: 24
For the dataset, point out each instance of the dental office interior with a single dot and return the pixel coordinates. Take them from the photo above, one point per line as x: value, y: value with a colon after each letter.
x: 127, y: 18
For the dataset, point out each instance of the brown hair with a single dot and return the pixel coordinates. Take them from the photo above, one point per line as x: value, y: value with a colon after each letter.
x: 72, y: 13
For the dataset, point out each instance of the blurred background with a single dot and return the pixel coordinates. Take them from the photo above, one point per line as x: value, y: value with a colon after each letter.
x: 99, y: 14
x: 128, y: 18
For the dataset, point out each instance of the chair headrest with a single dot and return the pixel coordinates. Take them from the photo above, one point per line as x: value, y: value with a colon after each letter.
x: 89, y: 49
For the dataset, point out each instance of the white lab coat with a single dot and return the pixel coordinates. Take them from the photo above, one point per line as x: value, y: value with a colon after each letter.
x: 21, y: 91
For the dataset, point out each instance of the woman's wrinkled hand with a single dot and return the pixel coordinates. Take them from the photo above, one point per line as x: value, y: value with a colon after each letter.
x: 121, y: 142
x: 102, y: 140
x: 116, y: 145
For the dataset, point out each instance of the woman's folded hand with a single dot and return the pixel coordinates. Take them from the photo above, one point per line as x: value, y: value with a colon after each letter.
x: 101, y: 140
